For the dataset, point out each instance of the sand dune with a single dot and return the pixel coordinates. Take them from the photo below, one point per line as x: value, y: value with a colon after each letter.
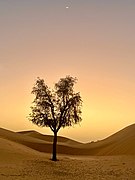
x: 49, y: 138
x: 10, y: 151
x: 19, y: 162
x: 40, y: 143
x: 21, y: 157
x: 121, y: 143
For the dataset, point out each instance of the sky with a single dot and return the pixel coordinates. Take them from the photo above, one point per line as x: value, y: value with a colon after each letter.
x: 92, y: 40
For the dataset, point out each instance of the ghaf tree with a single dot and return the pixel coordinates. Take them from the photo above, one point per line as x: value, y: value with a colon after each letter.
x: 56, y: 108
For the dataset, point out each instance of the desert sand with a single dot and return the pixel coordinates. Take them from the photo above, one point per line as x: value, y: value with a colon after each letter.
x: 26, y: 155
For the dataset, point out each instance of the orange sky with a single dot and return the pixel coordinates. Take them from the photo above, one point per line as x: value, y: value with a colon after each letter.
x: 91, y: 40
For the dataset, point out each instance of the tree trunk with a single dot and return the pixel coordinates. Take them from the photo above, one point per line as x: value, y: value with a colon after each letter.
x: 54, y: 158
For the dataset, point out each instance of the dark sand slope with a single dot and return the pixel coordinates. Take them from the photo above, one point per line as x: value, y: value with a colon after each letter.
x: 49, y: 138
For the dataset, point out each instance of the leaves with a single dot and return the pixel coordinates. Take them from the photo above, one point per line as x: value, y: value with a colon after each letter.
x: 58, y: 108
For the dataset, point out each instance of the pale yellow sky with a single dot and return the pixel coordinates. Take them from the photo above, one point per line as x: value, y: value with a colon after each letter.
x: 91, y: 40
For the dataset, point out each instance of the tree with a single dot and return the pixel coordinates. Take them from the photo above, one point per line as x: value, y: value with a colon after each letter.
x: 56, y: 108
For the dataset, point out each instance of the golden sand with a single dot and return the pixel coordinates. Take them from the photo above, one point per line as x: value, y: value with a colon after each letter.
x: 23, y: 156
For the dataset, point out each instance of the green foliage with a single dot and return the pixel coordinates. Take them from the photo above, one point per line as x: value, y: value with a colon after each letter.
x: 56, y: 108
